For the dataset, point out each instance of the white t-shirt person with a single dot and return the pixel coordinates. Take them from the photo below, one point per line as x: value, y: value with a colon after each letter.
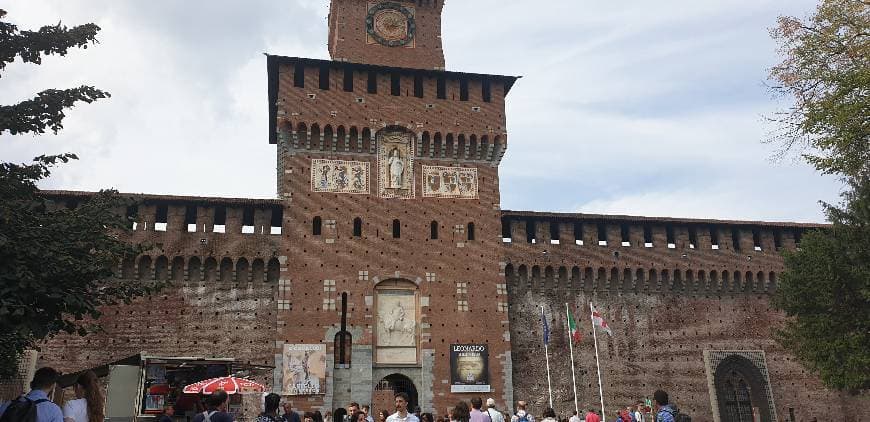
x: 75, y: 411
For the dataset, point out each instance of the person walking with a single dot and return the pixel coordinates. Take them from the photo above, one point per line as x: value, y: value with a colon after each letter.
x: 522, y: 414
x: 289, y: 414
x: 492, y: 411
x: 402, y: 414
x: 663, y: 410
x: 549, y: 415
x: 168, y: 413
x: 215, y: 405
x: 36, y: 401
x: 270, y: 414
x: 88, y: 407
x: 574, y: 417
x: 638, y: 413
x: 591, y: 416
x: 476, y: 415
x: 460, y: 413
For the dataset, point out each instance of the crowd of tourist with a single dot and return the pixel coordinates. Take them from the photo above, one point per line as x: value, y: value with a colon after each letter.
x: 36, y: 406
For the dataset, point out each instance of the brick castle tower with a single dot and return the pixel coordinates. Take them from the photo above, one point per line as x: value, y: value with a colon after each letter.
x: 388, y: 166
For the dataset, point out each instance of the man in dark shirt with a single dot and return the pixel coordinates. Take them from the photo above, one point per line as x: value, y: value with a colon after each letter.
x: 289, y: 414
x: 216, y: 404
x: 168, y: 412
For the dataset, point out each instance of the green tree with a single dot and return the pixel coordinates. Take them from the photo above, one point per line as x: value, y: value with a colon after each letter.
x: 825, y: 289
x: 56, y: 262
x: 826, y: 72
x: 825, y: 292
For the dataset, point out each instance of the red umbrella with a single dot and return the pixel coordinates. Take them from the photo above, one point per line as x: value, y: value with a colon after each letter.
x: 231, y: 385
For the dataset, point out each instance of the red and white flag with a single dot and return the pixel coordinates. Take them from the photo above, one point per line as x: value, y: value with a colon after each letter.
x: 598, y: 321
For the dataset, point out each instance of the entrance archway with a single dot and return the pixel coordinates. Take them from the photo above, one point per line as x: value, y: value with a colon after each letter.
x: 740, y: 391
x: 395, y: 383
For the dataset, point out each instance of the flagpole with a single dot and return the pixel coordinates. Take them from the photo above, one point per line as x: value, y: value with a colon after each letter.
x: 597, y: 364
x: 547, y: 355
x: 571, y: 347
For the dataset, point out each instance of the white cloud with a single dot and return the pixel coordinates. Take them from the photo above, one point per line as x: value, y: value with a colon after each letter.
x: 636, y: 108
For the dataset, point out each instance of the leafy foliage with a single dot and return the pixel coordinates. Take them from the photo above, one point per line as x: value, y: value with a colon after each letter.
x: 56, y: 262
x: 826, y: 294
x: 826, y: 71
x: 46, y: 109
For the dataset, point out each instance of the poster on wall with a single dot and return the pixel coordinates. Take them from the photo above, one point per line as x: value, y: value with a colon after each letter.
x: 304, y: 369
x: 469, y: 368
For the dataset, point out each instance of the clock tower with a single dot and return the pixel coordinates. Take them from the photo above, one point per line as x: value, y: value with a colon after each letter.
x: 393, y: 33
x: 388, y: 168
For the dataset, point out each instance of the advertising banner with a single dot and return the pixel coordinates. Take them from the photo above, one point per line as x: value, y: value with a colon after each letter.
x: 469, y: 368
x: 304, y: 369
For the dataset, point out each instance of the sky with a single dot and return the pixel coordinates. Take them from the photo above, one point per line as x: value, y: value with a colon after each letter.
x: 637, y: 108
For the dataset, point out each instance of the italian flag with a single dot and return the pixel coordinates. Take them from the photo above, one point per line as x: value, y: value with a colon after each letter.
x: 572, y: 325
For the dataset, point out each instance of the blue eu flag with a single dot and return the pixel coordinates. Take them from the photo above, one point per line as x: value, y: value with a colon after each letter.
x: 546, y: 327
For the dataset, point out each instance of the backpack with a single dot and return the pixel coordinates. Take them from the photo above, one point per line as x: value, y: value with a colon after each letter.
x: 524, y: 418
x: 21, y: 410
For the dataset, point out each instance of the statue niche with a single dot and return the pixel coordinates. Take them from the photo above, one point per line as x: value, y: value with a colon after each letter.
x: 396, y: 163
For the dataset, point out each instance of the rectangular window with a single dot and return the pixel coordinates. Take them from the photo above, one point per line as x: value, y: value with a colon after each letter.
x: 647, y: 236
x: 693, y: 237
x: 486, y: 91
x: 190, y: 218
x: 162, y: 216
x: 220, y: 219
x: 418, y: 86
x: 348, y: 80
x: 373, y: 82
x: 463, y: 90
x: 395, y: 84
x: 672, y: 238
x: 247, y: 220
x: 277, y: 220
x: 299, y: 75
x: 602, y: 234
x: 324, y: 78
x: 442, y: 88
x: 578, y: 233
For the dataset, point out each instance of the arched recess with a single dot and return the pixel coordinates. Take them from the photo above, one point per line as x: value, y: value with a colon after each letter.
x: 509, y: 273
x: 398, y: 383
x: 226, y: 270
x: 145, y: 268
x: 161, y: 268
x: 176, y: 272
x: 194, y: 269
x: 128, y: 266
x: 397, y: 333
x: 741, y: 390
x: 273, y: 271
x: 243, y: 271
x: 210, y: 269
x: 258, y: 270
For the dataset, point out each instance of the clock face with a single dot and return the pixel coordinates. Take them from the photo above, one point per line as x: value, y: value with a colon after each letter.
x: 390, y: 24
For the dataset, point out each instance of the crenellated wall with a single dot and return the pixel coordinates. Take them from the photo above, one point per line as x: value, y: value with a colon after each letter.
x: 674, y: 302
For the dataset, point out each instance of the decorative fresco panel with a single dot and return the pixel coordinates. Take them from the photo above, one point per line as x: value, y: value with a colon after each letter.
x: 340, y: 176
x: 304, y: 369
x: 449, y: 182
x: 396, y: 164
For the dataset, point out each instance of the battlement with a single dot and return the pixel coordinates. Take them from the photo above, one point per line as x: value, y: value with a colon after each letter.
x: 593, y: 252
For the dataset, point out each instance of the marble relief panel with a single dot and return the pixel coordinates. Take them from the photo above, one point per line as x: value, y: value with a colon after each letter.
x: 450, y: 182
x: 339, y: 176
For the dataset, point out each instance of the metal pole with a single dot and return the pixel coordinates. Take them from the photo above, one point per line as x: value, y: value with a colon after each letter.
x: 597, y: 364
x: 547, y: 356
x: 571, y: 347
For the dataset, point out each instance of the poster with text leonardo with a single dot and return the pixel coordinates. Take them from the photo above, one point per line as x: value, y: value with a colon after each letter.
x: 469, y: 368
x: 304, y: 369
